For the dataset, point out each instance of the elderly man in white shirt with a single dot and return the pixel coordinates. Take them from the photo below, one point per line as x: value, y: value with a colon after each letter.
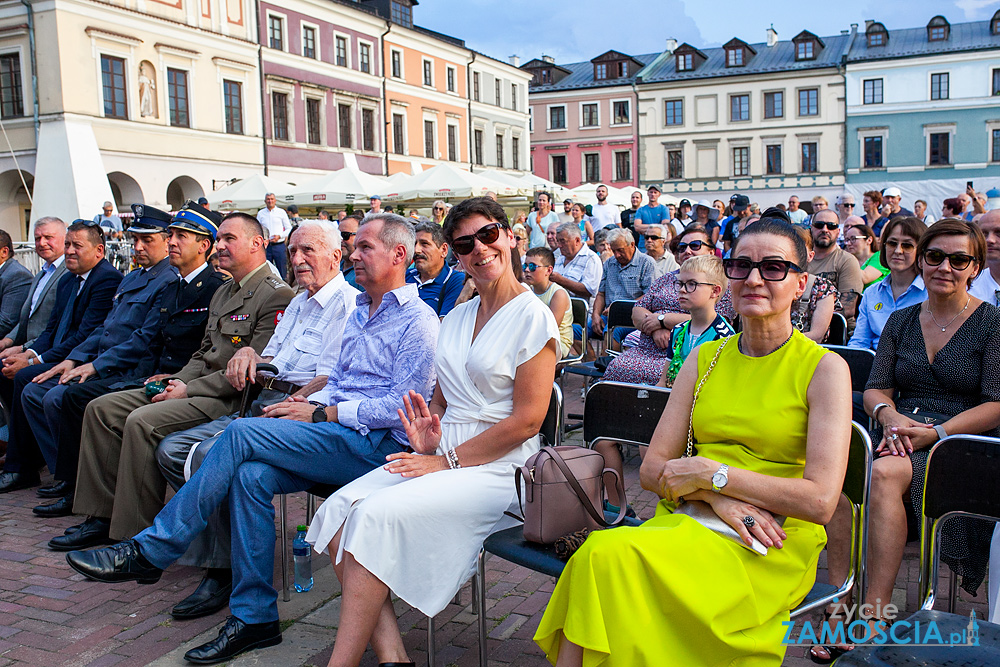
x: 579, y: 269
x: 277, y: 226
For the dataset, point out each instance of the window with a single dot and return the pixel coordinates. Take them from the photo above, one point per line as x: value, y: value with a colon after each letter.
x: 429, y: 139
x: 734, y: 57
x: 774, y: 104
x: 673, y: 112
x: 873, y: 91
x: 340, y: 51
x: 475, y: 86
x: 496, y: 93
x: 546, y: 76
x: 773, y: 157
x: 939, y: 86
x: 557, y: 118
x: 177, y: 95
x: 276, y: 32
x: 873, y: 153
x: 450, y: 79
x: 397, y: 64
x: 401, y: 12
x: 11, y: 97
x: 622, y: 69
x: 601, y: 71
x: 939, y: 149
x: 366, y: 58
x: 937, y: 29
x: 453, y: 143
x: 428, y: 73
x: 113, y: 80
x: 367, y: 129
x: 739, y: 106
x: 591, y: 167
x: 588, y: 115
x: 398, y: 143
x: 877, y: 35
x: 809, y: 162
x: 620, y: 112
x: 515, y: 153
x: 685, y: 62
x: 500, y: 151
x: 531, y: 119
x: 996, y: 145
x: 279, y: 115
x: 996, y: 82
x: 559, y: 168
x: 675, y: 164
x: 936, y: 34
x: 309, y: 42
x: 313, y: 134
x: 809, y: 102
x: 805, y: 50
x: 623, y: 166
x: 232, y: 92
x: 995, y: 24
x: 513, y: 96
x: 477, y: 138
x: 344, y: 124
x: 741, y: 161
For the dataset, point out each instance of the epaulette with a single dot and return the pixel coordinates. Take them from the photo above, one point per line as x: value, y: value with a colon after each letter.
x: 275, y: 282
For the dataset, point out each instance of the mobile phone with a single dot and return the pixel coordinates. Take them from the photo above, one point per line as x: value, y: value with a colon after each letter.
x: 968, y: 185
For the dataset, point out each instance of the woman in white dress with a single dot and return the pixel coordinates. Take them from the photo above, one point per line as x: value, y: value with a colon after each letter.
x: 416, y: 525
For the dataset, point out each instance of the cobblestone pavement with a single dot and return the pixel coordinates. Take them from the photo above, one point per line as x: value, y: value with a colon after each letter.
x: 51, y: 616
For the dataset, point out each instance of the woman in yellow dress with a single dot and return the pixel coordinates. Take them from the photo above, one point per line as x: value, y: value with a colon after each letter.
x: 771, y: 428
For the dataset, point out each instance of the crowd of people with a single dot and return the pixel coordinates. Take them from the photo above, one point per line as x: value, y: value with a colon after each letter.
x: 415, y: 361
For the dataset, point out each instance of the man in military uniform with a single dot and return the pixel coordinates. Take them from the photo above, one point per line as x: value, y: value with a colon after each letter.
x: 181, y: 316
x: 119, y: 486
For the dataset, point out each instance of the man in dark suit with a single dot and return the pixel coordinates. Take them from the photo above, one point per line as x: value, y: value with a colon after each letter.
x: 83, y: 299
x: 15, y: 281
x: 182, y: 314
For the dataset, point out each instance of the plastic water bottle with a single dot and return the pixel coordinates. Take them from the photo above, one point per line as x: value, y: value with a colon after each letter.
x: 302, y: 557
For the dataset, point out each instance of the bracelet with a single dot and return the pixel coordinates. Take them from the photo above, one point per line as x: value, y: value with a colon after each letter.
x: 876, y: 410
x: 452, y: 457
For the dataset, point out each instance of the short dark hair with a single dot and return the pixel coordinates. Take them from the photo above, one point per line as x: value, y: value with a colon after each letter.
x: 93, y: 231
x: 547, y: 196
x: 293, y: 209
x: 436, y: 232
x: 6, y: 242
x: 547, y: 255
x: 956, y: 227
x: 776, y: 226
x: 467, y: 208
x: 693, y: 229
x: 251, y: 224
x: 360, y: 217
x: 912, y: 227
x: 955, y: 204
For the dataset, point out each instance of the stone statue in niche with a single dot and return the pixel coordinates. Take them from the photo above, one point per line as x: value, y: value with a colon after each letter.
x: 148, y: 108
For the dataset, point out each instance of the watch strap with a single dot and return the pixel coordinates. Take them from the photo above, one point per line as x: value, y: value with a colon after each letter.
x: 939, y: 429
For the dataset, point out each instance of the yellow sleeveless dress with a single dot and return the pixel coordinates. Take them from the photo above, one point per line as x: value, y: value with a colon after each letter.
x: 672, y: 592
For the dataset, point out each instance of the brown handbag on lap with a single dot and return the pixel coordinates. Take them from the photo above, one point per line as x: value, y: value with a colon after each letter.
x: 564, y: 493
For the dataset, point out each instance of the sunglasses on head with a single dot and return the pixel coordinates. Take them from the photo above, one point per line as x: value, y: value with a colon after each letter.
x: 463, y: 245
x: 694, y: 245
x: 958, y: 260
x: 831, y: 226
x: 772, y: 270
x: 346, y: 236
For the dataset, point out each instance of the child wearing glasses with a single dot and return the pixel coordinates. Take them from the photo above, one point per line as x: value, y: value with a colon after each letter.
x: 538, y: 265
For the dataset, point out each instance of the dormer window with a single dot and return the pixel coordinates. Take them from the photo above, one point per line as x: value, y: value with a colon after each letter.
x: 804, y: 51
x: 738, y: 52
x: 734, y: 57
x: 685, y: 62
x: 938, y: 29
x: 688, y: 58
x: 401, y: 13
x: 995, y: 24
x: 877, y: 35
x: 807, y: 45
x: 622, y: 69
x: 546, y: 76
x: 600, y: 71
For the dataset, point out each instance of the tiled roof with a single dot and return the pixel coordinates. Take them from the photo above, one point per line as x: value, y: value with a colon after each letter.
x: 582, y: 76
x: 911, y: 42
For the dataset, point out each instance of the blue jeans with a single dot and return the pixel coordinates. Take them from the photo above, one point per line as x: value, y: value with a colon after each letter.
x: 253, y: 460
x: 275, y: 254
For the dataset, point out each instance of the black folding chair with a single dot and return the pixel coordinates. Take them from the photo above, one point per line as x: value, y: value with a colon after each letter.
x: 837, y: 333
x: 622, y: 412
x: 860, y: 361
x: 961, y: 481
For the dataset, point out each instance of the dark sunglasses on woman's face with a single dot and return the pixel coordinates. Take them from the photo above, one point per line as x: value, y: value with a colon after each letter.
x: 829, y: 225
x: 346, y: 236
x: 958, y: 260
x: 773, y: 270
x: 694, y: 245
x: 463, y: 245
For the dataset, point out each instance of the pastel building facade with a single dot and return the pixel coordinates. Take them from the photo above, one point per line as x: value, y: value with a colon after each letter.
x: 498, y: 109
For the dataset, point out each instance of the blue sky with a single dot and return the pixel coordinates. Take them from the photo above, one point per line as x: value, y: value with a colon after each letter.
x: 577, y: 30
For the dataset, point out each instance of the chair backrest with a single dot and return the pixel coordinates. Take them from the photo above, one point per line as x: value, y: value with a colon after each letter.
x: 551, y: 428
x: 961, y: 480
x: 620, y: 313
x: 859, y: 360
x: 579, y: 307
x: 858, y: 480
x: 837, y: 333
x: 622, y: 412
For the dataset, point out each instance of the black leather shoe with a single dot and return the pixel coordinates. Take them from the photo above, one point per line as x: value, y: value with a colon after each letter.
x: 73, y: 529
x: 93, y: 532
x: 234, y: 638
x: 13, y: 481
x: 58, y: 490
x: 211, y: 595
x: 119, y: 562
x: 61, y: 507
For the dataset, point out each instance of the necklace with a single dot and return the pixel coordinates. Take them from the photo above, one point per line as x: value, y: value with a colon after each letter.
x: 739, y: 345
x: 952, y: 321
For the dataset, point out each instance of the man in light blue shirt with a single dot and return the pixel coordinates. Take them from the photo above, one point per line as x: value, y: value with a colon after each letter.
x: 877, y: 304
x: 653, y: 213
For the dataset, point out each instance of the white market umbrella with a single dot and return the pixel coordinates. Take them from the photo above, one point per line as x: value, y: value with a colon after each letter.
x: 516, y: 185
x: 337, y: 188
x: 441, y: 182
x: 539, y: 184
x: 247, y: 193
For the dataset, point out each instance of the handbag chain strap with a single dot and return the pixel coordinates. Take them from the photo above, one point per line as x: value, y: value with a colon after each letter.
x: 697, y: 390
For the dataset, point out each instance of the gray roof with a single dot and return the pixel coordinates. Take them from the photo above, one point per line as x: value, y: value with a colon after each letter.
x: 582, y: 76
x: 912, y: 42
x: 777, y: 58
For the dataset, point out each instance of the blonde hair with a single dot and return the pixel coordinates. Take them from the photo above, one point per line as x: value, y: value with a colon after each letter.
x: 710, y: 265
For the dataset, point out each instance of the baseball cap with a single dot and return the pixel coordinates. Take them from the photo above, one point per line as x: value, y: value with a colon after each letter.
x: 653, y: 186
x: 684, y: 202
x: 739, y: 202
x: 892, y: 191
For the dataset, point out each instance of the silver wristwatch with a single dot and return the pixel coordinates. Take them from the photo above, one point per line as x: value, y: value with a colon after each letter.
x: 939, y: 429
x: 720, y: 478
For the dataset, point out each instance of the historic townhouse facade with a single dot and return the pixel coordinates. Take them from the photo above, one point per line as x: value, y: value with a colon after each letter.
x: 584, y: 119
x: 498, y: 108
x: 923, y: 109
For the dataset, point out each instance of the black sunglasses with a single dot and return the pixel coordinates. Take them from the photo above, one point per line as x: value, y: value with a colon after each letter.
x: 772, y: 270
x: 958, y: 260
x: 655, y: 238
x: 694, y: 245
x: 346, y: 236
x: 463, y: 245
x: 829, y: 225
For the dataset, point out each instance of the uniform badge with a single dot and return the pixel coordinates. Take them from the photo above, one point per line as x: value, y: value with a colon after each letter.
x: 139, y: 210
x: 278, y: 316
x: 877, y: 306
x: 198, y: 284
x: 236, y: 340
x: 239, y: 318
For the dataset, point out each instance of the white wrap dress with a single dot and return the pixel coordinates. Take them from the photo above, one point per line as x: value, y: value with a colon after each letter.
x: 421, y: 536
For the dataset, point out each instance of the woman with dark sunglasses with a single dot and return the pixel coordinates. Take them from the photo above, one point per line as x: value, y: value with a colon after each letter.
x: 673, y: 591
x: 416, y: 525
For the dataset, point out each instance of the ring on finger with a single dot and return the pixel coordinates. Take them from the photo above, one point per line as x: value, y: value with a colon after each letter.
x: 895, y: 436
x: 749, y: 521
